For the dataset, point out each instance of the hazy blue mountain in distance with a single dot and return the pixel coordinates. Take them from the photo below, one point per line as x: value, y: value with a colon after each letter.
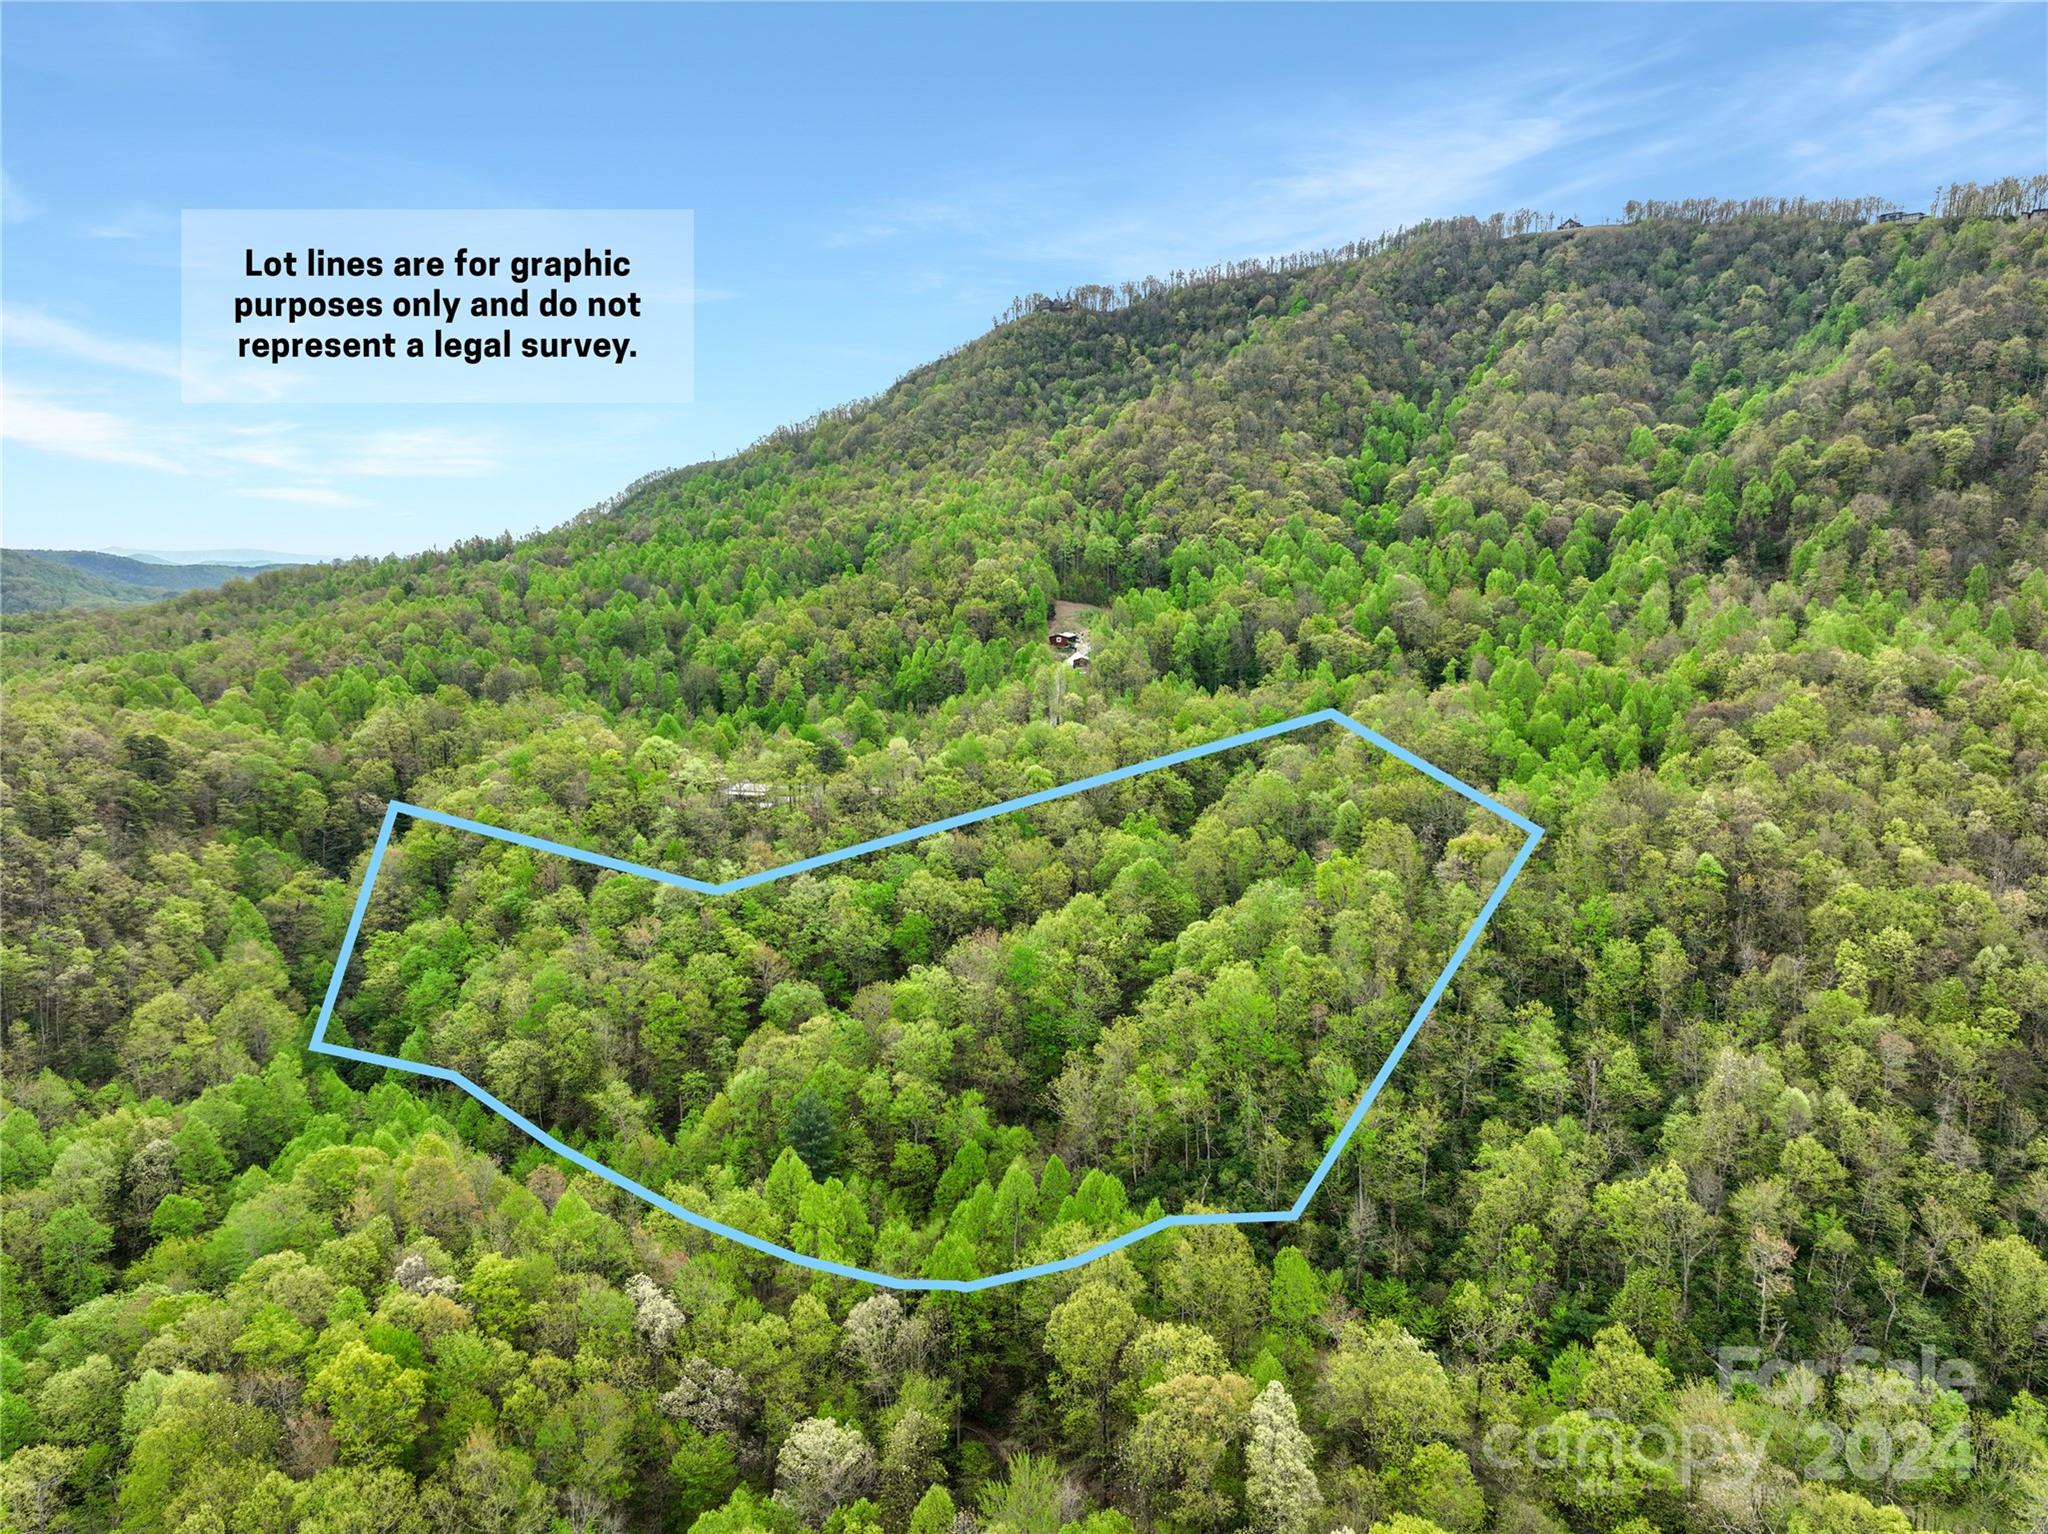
x: 261, y: 558
x: 41, y: 580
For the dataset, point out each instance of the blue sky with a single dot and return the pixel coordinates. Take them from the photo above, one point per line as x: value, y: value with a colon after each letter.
x: 870, y: 186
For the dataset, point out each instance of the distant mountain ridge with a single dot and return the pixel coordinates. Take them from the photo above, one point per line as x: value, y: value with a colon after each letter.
x: 43, y: 580
x: 264, y: 559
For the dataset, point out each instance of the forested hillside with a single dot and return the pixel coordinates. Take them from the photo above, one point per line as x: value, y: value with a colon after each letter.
x: 39, y: 580
x: 1713, y: 541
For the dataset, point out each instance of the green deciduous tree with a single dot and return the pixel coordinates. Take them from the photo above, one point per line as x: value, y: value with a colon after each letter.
x: 1384, y: 1388
x: 374, y: 1402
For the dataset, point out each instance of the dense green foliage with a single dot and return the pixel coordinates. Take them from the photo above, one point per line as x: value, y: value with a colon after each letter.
x: 1190, y: 1012
x: 38, y: 580
x: 1714, y: 543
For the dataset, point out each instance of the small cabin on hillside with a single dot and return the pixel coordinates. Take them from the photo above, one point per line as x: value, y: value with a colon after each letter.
x: 1571, y: 223
x: 1078, y: 662
x: 1065, y: 639
x: 1900, y: 218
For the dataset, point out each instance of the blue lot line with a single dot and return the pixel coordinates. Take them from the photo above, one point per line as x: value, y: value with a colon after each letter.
x: 1534, y: 834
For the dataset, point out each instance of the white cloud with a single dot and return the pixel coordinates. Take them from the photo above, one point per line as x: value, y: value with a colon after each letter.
x: 430, y: 452
x: 16, y: 206
x: 134, y: 222
x: 96, y: 435
x: 46, y: 332
x: 41, y: 331
x: 1853, y: 102
x: 302, y: 495
x: 1314, y: 177
x: 1376, y: 181
x: 38, y: 330
x: 1904, y: 58
x: 1888, y: 100
x: 925, y: 216
x: 38, y: 419
x: 269, y: 446
x: 1912, y: 130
